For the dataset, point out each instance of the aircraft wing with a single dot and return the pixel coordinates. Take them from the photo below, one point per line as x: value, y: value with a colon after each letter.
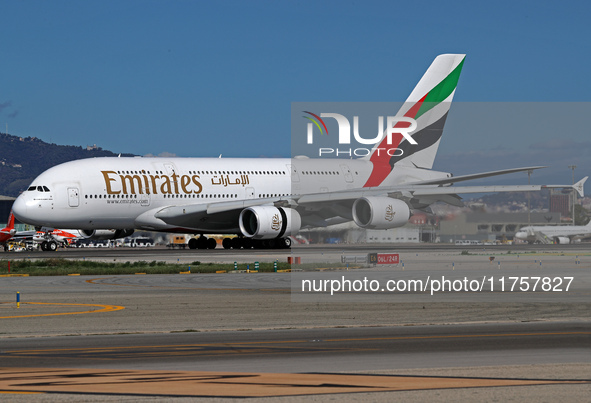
x: 417, y: 194
x: 410, y: 191
x: 189, y: 214
x: 454, y: 179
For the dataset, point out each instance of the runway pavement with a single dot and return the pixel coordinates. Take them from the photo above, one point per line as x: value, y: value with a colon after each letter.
x: 240, y: 335
x: 382, y: 361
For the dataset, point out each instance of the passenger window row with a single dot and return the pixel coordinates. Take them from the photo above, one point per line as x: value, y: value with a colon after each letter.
x: 143, y: 172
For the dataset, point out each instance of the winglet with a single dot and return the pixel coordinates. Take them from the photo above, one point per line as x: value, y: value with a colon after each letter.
x: 579, y: 186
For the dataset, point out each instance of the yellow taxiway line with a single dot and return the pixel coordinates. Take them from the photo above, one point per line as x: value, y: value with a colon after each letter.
x: 102, y: 308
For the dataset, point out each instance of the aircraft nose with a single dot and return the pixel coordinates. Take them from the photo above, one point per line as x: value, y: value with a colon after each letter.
x: 520, y: 235
x: 19, y: 209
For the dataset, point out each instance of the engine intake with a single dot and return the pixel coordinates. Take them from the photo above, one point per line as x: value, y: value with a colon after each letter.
x: 380, y: 212
x: 105, y: 233
x: 562, y: 240
x: 267, y: 222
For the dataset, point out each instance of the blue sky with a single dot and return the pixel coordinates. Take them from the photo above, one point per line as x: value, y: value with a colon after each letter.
x: 199, y: 79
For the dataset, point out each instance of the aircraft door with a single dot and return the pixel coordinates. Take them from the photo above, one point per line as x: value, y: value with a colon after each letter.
x: 145, y: 199
x: 73, y: 197
x: 295, y: 177
x: 347, y: 172
x: 170, y: 168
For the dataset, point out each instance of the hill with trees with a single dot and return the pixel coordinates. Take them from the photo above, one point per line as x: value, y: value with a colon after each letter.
x: 24, y: 158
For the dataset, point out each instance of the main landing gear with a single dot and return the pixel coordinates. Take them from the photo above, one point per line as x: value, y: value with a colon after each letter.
x: 248, y: 243
x: 202, y: 243
x: 240, y: 243
x: 49, y: 246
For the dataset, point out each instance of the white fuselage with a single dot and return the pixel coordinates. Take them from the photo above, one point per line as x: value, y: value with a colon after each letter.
x: 553, y: 232
x: 116, y: 193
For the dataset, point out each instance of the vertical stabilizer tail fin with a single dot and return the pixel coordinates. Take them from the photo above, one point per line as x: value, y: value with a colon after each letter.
x: 10, y: 221
x: 428, y: 104
x: 10, y: 226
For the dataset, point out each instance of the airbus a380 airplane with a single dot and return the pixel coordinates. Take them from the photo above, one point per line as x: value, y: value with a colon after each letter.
x: 262, y: 200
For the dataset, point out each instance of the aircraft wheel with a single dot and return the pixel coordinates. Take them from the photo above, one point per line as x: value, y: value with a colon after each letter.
x: 235, y: 243
x: 51, y: 246
x: 284, y: 243
x: 227, y: 243
x: 44, y: 246
x: 202, y: 242
x: 247, y: 243
x: 211, y: 243
x: 192, y: 243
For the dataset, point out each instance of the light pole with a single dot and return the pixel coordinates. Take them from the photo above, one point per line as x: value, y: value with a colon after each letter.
x: 528, y: 198
x: 573, y: 190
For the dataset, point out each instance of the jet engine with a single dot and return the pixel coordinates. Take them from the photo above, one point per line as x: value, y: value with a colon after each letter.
x: 267, y: 222
x: 380, y: 212
x: 563, y: 240
x: 105, y: 233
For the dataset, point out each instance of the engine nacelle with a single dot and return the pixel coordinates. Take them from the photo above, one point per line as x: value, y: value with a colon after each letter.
x: 105, y: 233
x: 267, y: 222
x: 380, y: 212
x: 563, y: 240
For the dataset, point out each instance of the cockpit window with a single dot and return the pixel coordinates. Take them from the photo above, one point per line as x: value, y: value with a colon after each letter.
x: 38, y: 188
